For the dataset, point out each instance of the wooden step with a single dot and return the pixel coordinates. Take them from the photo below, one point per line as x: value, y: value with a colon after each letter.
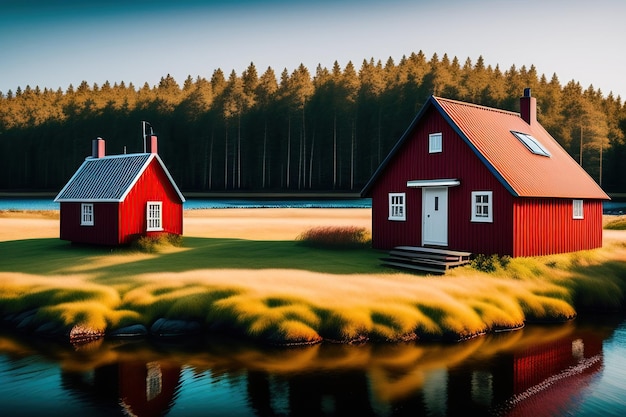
x: 445, y: 264
x: 433, y: 260
x: 435, y: 251
x: 411, y: 255
x: 414, y: 267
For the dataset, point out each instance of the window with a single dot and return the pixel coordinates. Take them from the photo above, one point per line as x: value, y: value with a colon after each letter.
x: 435, y: 143
x: 397, y: 203
x: 482, y: 204
x: 86, y: 214
x: 154, y: 215
x: 577, y: 212
x: 531, y: 143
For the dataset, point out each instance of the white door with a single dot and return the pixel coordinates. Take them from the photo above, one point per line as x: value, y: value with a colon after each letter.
x: 435, y: 216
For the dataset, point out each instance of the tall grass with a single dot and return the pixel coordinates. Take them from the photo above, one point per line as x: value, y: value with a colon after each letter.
x: 307, y: 296
x: 153, y: 243
x: 336, y: 237
x: 616, y: 224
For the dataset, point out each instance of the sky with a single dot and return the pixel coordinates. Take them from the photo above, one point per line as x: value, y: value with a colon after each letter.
x: 53, y: 44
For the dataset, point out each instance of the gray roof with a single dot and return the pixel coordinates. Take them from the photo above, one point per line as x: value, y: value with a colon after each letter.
x: 109, y: 179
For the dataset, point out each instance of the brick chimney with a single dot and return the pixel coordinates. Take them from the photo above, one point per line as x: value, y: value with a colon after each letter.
x: 97, y: 148
x: 149, y: 138
x: 151, y: 144
x: 528, y: 107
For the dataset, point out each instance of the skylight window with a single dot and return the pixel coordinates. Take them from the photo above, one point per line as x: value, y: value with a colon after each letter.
x: 531, y: 143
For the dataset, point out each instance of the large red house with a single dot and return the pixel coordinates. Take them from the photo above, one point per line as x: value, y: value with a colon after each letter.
x: 112, y: 200
x: 481, y: 180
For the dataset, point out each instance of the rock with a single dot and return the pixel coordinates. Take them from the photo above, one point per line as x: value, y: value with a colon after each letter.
x: 135, y: 330
x: 172, y: 328
x: 80, y: 334
x: 24, y: 320
x: 51, y: 329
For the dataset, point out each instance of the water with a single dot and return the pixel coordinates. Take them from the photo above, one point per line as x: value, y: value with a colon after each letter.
x: 10, y: 203
x: 575, y: 369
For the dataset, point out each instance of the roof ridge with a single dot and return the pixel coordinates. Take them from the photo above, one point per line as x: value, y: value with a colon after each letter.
x: 123, y: 155
x: 480, y: 106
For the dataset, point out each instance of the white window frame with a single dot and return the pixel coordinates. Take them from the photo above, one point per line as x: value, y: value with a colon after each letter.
x: 435, y: 142
x: 577, y: 209
x: 397, y: 206
x: 154, y: 216
x: 478, y: 212
x: 86, y: 214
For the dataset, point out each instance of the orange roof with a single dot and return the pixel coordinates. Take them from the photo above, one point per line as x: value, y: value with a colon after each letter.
x: 488, y: 132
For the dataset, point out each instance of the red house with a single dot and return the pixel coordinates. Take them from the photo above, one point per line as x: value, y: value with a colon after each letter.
x: 481, y: 180
x: 112, y: 200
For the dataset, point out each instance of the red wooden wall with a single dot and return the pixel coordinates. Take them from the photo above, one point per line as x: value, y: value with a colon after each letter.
x: 413, y: 162
x: 545, y: 225
x: 103, y: 232
x: 153, y: 185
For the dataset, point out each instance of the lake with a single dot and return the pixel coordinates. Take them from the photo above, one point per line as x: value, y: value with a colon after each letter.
x: 573, y: 369
x: 13, y: 203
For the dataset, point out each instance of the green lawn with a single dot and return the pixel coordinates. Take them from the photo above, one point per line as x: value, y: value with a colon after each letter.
x: 54, y: 256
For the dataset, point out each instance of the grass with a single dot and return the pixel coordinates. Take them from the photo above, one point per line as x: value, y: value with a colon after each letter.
x: 616, y: 224
x: 286, y: 292
x: 151, y: 244
x: 334, y: 237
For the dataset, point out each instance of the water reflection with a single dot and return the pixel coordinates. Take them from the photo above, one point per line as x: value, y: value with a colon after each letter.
x: 538, y: 371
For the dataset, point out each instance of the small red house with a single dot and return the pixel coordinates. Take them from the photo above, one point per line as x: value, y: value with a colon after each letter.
x: 112, y: 200
x: 476, y: 179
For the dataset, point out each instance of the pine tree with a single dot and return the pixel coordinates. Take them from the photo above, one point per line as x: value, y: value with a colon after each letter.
x: 265, y: 92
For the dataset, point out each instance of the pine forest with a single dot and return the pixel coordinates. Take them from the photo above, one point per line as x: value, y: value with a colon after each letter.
x: 297, y: 131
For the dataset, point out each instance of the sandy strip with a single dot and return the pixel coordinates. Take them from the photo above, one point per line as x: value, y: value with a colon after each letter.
x: 253, y: 223
x: 269, y: 223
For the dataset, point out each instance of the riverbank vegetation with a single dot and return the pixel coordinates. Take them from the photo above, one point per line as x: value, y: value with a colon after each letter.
x: 322, y: 129
x: 283, y: 292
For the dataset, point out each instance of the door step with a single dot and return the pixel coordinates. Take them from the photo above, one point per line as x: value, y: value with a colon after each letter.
x: 430, y: 260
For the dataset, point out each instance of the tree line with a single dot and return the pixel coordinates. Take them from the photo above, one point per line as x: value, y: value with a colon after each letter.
x: 326, y: 131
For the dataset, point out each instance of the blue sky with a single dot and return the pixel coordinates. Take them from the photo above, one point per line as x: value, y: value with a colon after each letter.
x: 57, y: 43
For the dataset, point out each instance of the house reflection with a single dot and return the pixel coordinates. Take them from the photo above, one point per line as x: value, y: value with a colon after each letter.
x: 548, y: 379
x: 131, y: 388
x: 541, y: 380
x: 536, y: 374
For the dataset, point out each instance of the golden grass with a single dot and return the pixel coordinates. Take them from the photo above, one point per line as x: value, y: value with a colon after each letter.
x: 334, y: 237
x: 615, y: 223
x: 289, y: 305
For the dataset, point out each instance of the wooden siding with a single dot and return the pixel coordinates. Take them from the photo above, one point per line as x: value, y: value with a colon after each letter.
x: 153, y: 185
x: 103, y: 231
x: 457, y: 161
x: 545, y: 225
